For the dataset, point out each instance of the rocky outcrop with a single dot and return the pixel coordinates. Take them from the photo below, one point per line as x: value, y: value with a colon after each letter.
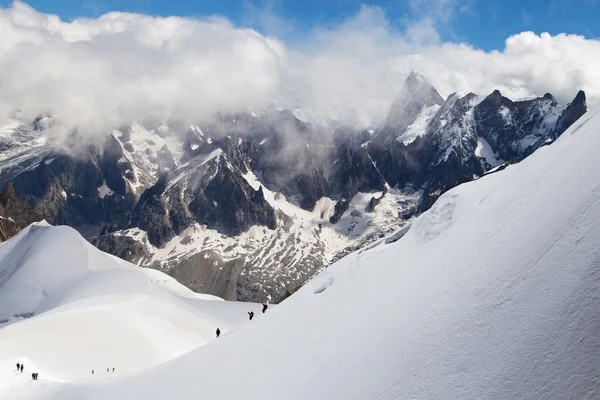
x: 8, y: 229
x: 207, y: 190
x: 86, y: 192
x: 15, y: 214
x: 352, y: 171
x: 229, y: 204
x: 572, y: 113
x: 511, y: 127
x: 127, y: 248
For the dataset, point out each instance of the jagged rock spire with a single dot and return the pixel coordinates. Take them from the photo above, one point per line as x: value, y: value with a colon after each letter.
x: 417, y: 94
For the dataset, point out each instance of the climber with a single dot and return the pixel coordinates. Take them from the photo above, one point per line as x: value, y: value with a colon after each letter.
x: 251, y: 315
x: 218, y: 332
x: 265, y: 306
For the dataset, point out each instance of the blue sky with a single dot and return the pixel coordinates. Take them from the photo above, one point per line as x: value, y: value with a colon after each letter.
x: 483, y: 23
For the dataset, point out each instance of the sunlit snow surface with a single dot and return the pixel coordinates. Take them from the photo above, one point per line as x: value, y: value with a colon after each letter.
x: 67, y: 309
x: 494, y: 293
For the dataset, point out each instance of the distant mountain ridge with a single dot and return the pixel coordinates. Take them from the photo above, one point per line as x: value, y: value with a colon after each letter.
x: 248, y: 206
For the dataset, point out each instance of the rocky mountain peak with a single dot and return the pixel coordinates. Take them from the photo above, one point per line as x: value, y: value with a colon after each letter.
x: 572, y: 113
x: 417, y: 89
x: 418, y: 99
x: 495, y: 100
x: 416, y: 79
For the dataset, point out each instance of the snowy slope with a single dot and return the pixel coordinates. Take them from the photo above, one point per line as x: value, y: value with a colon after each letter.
x: 67, y: 308
x: 22, y: 148
x: 492, y: 294
x: 145, y: 149
x: 419, y: 126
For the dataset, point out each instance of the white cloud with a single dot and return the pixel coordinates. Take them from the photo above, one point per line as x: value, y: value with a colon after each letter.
x: 95, y: 73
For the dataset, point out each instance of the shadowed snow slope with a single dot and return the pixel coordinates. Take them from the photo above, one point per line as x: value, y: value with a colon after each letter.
x: 494, y: 293
x: 66, y: 309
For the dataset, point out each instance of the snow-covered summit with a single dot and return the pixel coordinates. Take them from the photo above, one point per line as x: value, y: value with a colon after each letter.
x: 417, y: 79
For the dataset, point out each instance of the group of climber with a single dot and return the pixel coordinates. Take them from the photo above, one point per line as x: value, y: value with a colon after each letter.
x: 251, y: 313
x: 21, y: 367
x: 35, y: 375
x: 107, y: 370
x: 250, y: 316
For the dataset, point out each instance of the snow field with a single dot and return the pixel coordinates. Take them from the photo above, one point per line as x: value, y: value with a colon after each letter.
x: 67, y: 309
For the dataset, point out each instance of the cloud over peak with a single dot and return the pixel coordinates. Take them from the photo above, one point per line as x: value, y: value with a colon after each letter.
x: 97, y: 73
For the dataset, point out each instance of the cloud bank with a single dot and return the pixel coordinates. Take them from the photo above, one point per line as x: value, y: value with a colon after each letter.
x: 123, y: 67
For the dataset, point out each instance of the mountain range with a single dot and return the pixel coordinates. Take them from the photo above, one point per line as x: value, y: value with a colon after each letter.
x: 492, y: 293
x: 250, y: 206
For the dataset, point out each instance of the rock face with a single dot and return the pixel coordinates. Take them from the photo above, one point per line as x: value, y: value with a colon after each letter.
x: 248, y: 206
x: 15, y: 214
x: 572, y: 113
x: 416, y: 103
x: 512, y: 127
x: 87, y: 192
x: 208, y: 190
x: 127, y: 248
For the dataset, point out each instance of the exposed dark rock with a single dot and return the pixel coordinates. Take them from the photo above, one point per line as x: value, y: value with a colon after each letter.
x: 15, y: 214
x: 66, y: 188
x: 124, y: 247
x: 8, y: 229
x: 212, y: 194
x: 572, y: 113
x: 151, y: 214
x: 416, y: 94
x: 206, y: 272
x: 129, y: 147
x: 112, y: 167
x: 374, y: 202
x: 230, y: 204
